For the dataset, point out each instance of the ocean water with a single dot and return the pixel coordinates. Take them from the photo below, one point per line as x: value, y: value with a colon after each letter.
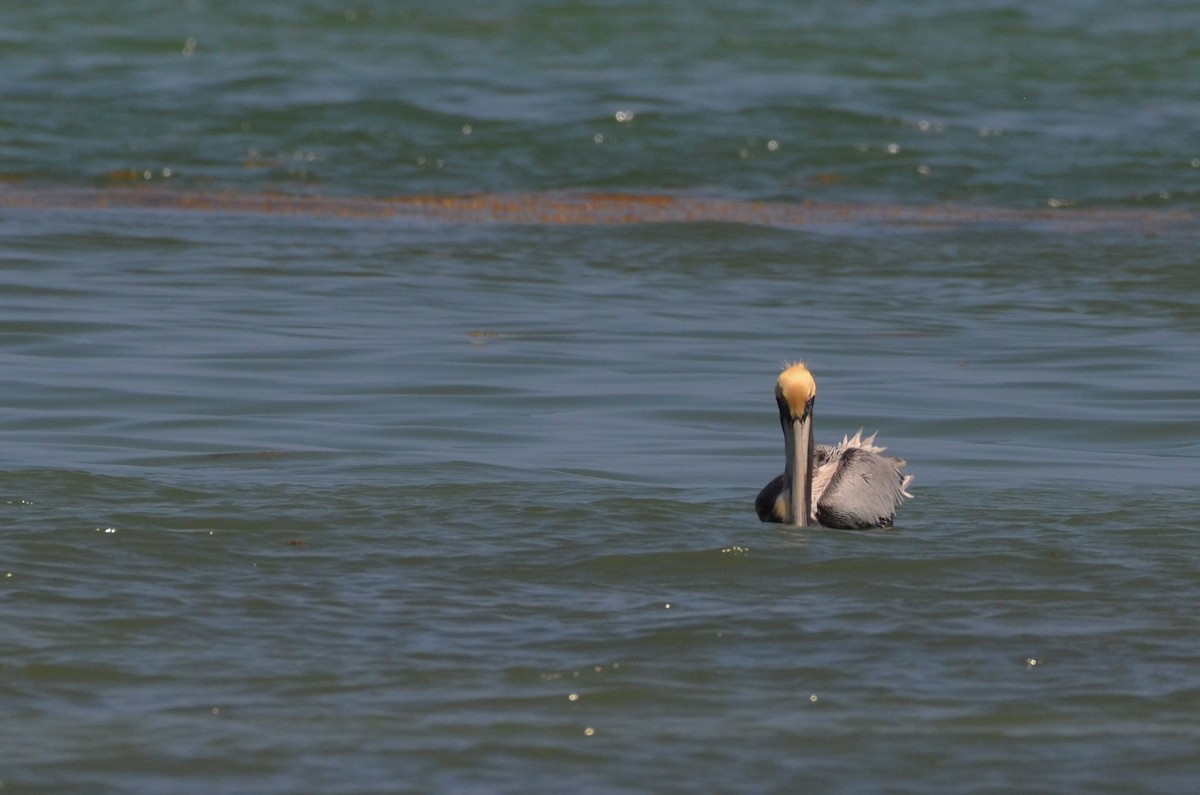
x: 343, y: 496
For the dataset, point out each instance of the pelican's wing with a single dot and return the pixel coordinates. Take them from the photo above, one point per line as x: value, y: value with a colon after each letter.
x: 767, y: 501
x: 864, y: 490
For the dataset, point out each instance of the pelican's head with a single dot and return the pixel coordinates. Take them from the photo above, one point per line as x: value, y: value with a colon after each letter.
x: 795, y: 392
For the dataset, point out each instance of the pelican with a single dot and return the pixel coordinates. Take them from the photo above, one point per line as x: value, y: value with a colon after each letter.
x: 848, y: 485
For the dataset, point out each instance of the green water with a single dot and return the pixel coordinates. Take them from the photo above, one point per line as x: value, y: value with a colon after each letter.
x: 299, y: 503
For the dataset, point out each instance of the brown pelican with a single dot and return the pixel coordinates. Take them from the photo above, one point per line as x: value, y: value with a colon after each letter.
x: 847, y: 485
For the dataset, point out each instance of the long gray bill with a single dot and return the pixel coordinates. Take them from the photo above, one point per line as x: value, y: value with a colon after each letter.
x: 800, y: 461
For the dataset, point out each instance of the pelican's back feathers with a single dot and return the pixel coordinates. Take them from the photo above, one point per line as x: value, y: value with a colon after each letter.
x: 855, y: 486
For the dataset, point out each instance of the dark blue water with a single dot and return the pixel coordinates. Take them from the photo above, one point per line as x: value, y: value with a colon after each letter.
x: 321, y: 501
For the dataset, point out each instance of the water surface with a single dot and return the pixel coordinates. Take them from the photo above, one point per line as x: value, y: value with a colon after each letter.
x: 331, y: 502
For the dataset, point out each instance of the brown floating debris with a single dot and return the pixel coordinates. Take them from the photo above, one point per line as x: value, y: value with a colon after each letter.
x: 570, y: 208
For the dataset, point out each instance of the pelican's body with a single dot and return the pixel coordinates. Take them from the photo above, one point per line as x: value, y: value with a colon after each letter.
x: 849, y: 485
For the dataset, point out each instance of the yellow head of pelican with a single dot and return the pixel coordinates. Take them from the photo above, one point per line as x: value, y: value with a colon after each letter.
x: 795, y: 389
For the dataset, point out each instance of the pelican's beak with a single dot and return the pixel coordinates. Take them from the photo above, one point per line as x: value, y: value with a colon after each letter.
x: 795, y: 393
x: 798, y: 438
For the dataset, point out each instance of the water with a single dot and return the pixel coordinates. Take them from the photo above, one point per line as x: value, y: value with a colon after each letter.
x: 318, y: 501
